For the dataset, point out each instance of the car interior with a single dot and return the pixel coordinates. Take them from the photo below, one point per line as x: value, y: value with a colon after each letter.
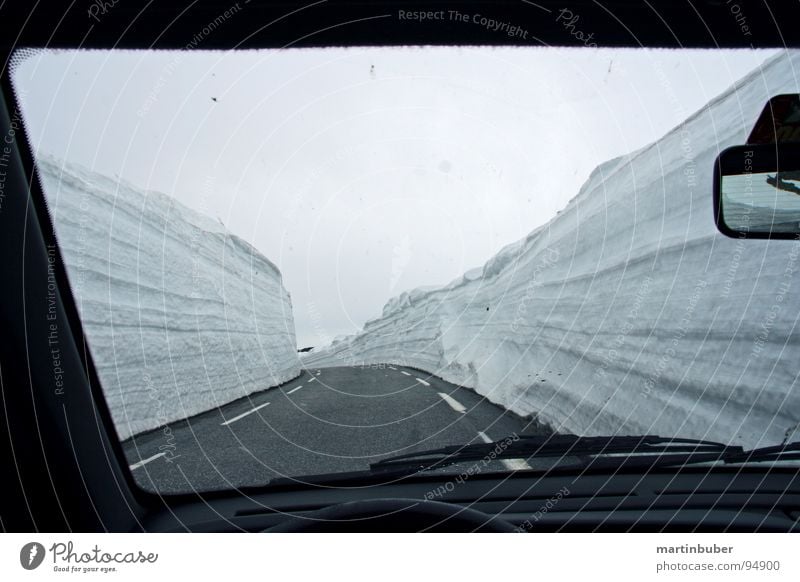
x: 64, y: 467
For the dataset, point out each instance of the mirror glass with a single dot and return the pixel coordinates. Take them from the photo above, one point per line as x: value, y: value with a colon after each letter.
x: 759, y: 190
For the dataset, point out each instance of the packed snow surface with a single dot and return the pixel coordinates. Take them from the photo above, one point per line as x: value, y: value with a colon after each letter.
x: 627, y: 313
x: 181, y: 316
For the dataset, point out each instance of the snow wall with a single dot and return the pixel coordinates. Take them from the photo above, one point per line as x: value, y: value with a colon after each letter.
x: 180, y: 315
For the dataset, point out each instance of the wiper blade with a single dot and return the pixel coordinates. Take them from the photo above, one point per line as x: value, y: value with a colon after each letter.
x: 634, y: 453
x: 785, y: 452
x: 556, y: 446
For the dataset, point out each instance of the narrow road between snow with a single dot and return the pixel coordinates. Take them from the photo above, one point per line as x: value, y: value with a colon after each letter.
x: 326, y: 420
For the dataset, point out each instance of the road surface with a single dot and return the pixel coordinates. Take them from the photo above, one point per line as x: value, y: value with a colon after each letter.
x: 326, y: 420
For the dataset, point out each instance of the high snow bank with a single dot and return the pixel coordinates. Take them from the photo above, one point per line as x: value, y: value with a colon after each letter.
x: 628, y: 312
x: 181, y: 316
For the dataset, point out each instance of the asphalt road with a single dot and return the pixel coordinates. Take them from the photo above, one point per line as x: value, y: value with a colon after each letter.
x: 326, y: 420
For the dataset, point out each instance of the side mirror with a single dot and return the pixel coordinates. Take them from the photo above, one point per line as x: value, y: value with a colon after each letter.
x: 757, y: 191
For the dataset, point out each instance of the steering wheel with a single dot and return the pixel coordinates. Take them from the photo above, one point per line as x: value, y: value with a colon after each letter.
x: 395, y: 515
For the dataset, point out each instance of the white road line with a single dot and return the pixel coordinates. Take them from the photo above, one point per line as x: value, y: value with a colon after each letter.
x: 147, y: 460
x: 510, y: 464
x: 235, y: 418
x: 312, y: 379
x: 422, y: 382
x: 392, y: 368
x: 404, y: 372
x: 318, y: 373
x: 454, y: 404
x: 295, y: 389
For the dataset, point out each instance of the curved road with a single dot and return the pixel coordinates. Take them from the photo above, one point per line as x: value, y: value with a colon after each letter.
x: 326, y: 420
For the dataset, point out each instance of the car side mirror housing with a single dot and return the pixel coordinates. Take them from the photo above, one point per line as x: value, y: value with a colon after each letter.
x: 757, y: 191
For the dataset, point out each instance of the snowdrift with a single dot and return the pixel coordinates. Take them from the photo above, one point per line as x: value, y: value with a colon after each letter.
x: 180, y: 315
x: 627, y: 312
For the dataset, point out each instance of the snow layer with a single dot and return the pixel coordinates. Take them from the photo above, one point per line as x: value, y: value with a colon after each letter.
x: 180, y: 315
x: 627, y: 312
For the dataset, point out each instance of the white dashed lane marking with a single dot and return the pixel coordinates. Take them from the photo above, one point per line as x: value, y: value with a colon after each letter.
x: 454, y: 404
x: 392, y: 368
x: 145, y: 461
x: 295, y: 389
x: 241, y: 416
x: 312, y: 379
x: 510, y: 464
x: 404, y: 372
x: 422, y: 382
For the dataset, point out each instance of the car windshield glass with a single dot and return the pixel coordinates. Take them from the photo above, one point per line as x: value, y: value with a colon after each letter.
x: 305, y: 261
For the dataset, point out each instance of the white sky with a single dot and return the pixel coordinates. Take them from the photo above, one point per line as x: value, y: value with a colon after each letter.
x: 366, y: 172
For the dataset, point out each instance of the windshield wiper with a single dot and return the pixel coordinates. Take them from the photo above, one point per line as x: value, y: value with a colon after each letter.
x: 629, y: 450
x: 778, y: 453
x: 601, y: 453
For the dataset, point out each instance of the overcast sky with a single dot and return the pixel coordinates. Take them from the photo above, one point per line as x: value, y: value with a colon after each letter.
x: 366, y: 172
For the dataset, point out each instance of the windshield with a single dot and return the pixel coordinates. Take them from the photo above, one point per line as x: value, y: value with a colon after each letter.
x: 302, y: 262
